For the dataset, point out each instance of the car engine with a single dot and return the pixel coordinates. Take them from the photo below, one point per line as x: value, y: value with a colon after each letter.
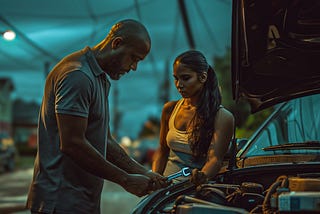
x: 287, y: 194
x: 300, y: 194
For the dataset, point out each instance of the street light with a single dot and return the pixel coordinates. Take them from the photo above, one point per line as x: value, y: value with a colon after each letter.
x: 9, y: 35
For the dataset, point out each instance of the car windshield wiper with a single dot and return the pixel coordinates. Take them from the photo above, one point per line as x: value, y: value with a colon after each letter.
x: 292, y: 146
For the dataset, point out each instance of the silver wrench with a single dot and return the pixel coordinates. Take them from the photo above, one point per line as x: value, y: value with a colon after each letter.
x: 186, y: 171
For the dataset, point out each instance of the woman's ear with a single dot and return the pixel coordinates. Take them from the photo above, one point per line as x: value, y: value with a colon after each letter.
x: 203, y: 77
x: 116, y: 42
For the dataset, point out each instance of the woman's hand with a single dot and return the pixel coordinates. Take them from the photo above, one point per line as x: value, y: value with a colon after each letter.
x: 198, y: 177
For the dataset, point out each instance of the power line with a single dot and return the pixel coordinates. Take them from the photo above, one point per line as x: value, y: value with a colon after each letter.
x: 206, y: 24
x: 138, y: 11
x: 94, y: 19
x: 175, y: 33
x: 18, y: 61
x: 29, y: 41
x: 99, y: 16
x: 186, y: 23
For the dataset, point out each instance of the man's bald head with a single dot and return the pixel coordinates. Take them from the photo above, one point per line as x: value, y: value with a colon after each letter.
x: 127, y: 43
x: 129, y: 30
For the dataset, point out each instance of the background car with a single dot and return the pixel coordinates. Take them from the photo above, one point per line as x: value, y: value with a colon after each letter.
x: 275, y: 62
x: 7, y: 152
x: 141, y: 149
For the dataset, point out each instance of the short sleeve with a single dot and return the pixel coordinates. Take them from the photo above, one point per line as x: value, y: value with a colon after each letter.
x: 73, y: 94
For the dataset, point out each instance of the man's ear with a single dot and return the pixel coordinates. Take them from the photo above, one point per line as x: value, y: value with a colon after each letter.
x: 116, y: 42
x: 203, y: 77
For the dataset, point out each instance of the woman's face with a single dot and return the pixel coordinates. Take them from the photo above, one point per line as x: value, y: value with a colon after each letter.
x: 186, y: 81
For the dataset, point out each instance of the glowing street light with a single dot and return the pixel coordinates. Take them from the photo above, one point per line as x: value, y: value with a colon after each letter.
x: 9, y: 35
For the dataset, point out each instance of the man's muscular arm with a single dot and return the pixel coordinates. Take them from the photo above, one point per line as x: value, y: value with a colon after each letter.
x: 117, y: 156
x: 74, y: 144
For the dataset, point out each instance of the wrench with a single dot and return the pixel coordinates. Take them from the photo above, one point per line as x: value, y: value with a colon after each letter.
x: 186, y: 171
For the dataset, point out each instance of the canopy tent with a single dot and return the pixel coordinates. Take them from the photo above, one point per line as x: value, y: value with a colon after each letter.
x: 46, y: 31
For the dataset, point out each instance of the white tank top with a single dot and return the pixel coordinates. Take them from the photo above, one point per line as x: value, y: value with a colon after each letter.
x: 180, y: 154
x: 176, y: 139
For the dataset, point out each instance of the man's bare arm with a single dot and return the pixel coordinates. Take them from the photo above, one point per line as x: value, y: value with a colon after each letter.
x: 74, y: 144
x: 117, y: 156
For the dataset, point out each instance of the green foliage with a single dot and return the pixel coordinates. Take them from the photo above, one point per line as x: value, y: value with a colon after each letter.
x: 240, y: 109
x: 246, y: 122
x: 252, y: 123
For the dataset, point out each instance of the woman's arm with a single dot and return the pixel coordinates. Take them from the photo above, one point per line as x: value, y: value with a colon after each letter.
x: 161, y: 155
x: 224, y: 127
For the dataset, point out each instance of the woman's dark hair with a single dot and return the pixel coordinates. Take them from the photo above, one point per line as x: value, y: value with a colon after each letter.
x: 202, y: 124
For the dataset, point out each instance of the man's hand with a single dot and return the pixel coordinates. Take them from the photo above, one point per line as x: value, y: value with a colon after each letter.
x: 137, y: 184
x: 157, y: 181
x: 198, y: 177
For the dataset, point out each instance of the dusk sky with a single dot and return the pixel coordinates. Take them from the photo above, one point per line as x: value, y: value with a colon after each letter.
x: 60, y: 27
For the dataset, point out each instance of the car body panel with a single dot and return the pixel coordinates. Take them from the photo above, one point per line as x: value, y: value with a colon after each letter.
x: 290, y: 133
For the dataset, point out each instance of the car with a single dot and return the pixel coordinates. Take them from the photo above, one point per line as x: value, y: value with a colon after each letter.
x: 7, y: 152
x: 275, y: 60
x: 143, y: 149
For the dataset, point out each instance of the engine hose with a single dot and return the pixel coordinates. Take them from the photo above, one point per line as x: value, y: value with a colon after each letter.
x: 266, y: 207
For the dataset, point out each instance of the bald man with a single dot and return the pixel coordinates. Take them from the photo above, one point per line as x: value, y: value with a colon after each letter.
x: 76, y: 151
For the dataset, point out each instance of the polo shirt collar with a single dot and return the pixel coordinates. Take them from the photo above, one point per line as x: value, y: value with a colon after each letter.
x: 95, y: 68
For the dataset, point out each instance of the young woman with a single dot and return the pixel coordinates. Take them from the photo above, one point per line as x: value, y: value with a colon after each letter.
x: 196, y: 130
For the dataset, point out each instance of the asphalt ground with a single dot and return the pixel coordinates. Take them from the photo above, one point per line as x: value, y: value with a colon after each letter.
x: 14, y: 187
x: 13, y: 190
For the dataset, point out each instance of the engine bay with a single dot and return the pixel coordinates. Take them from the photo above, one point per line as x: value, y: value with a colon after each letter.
x: 286, y: 194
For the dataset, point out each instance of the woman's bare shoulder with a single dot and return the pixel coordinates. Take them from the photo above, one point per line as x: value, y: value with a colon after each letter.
x: 167, y: 111
x: 224, y: 115
x: 169, y: 106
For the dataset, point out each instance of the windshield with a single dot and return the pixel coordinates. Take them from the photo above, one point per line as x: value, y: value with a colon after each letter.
x: 297, y: 122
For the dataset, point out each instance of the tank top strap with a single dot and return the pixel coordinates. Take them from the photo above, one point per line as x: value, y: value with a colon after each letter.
x: 174, y: 112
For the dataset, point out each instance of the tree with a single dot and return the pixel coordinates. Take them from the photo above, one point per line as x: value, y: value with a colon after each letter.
x: 246, y: 123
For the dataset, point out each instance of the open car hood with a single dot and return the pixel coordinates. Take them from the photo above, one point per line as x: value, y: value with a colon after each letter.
x: 275, y: 50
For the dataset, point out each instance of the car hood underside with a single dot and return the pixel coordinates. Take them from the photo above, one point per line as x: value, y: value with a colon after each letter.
x: 275, y: 50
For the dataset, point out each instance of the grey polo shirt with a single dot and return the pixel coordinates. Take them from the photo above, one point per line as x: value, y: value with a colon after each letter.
x: 76, y: 86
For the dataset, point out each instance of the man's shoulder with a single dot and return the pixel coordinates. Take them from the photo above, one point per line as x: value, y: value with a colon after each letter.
x: 74, y: 62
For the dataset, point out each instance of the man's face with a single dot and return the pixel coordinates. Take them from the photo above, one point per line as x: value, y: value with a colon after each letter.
x: 126, y: 56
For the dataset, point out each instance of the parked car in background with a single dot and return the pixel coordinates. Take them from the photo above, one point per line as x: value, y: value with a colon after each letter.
x: 141, y: 149
x: 7, y: 152
x: 275, y: 62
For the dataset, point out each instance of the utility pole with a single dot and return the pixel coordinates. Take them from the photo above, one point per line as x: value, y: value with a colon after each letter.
x: 186, y: 23
x: 164, y: 92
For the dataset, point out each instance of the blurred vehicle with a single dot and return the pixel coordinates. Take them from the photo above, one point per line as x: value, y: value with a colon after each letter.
x: 7, y: 152
x: 275, y: 62
x: 142, y: 150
